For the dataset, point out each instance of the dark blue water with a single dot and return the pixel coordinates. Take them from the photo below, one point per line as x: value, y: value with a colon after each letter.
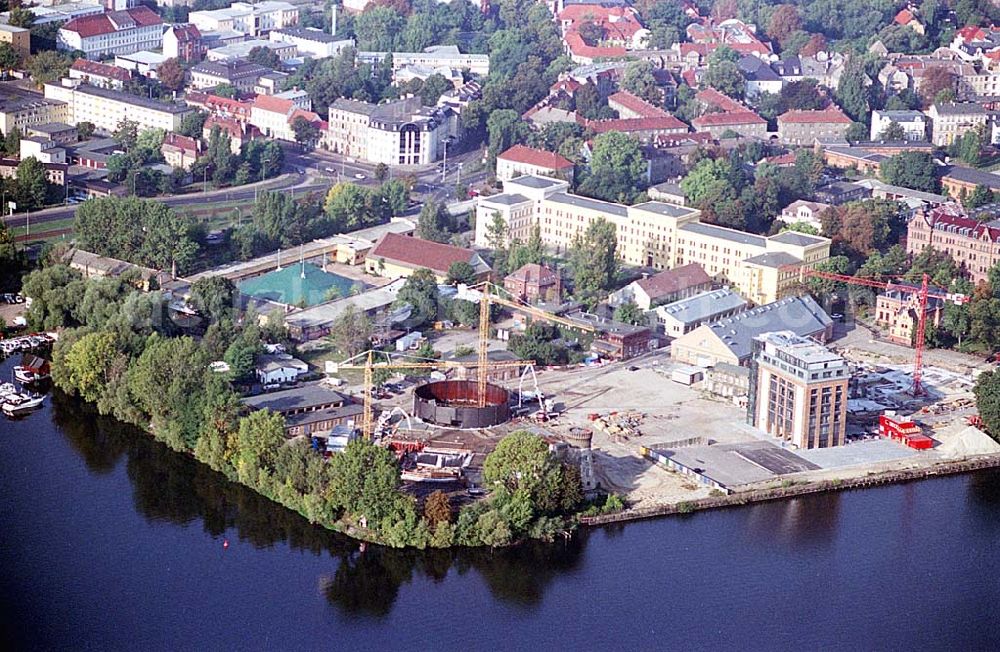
x: 109, y: 541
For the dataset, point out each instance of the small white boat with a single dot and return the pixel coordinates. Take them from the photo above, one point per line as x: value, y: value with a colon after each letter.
x: 21, y: 404
x: 7, y: 389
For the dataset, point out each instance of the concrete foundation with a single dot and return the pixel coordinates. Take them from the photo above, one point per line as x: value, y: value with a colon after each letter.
x: 455, y: 403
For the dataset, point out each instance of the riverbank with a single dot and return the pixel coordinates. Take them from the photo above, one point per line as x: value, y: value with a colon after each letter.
x: 791, y: 489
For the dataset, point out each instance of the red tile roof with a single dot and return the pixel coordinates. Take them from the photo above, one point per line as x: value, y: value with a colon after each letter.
x: 114, y: 21
x: 579, y: 48
x: 538, y: 157
x: 904, y: 17
x: 186, y: 33
x: 218, y: 104
x: 627, y: 125
x: 184, y: 143
x: 415, y: 252
x: 534, y: 273
x: 674, y: 280
x: 99, y: 69
x: 273, y: 104
x: 826, y: 116
x: 723, y: 119
x: 636, y: 104
x: 712, y: 97
x: 308, y: 115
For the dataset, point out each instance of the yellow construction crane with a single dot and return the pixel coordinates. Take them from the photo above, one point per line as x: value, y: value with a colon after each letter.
x: 484, y: 327
x: 370, y: 365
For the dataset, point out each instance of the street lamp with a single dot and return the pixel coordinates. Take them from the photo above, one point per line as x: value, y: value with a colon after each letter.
x: 204, y: 181
x: 263, y: 168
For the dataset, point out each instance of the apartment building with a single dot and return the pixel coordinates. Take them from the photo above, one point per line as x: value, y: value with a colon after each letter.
x: 653, y: 234
x: 273, y: 114
x: 798, y: 390
x: 105, y: 108
x: 804, y: 212
x: 183, y: 42
x: 23, y: 110
x: 99, y: 74
x: 254, y: 19
x: 973, y: 245
x: 112, y: 33
x: 950, y: 121
x: 436, y: 56
x: 896, y: 311
x: 521, y: 159
x: 403, y: 132
x: 805, y: 127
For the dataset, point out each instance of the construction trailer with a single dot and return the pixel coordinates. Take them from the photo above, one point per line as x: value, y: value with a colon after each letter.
x: 904, y: 431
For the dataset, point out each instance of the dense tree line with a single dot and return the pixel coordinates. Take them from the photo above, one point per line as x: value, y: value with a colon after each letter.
x: 119, y: 352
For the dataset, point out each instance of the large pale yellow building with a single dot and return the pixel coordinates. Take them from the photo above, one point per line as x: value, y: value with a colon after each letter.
x: 653, y: 234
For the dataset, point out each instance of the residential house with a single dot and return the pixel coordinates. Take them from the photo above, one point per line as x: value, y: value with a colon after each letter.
x: 760, y: 77
x: 685, y: 315
x: 730, y: 340
x: 41, y: 148
x: 620, y: 25
x: 398, y: 256
x: 805, y: 127
x: 222, y: 107
x: 896, y: 310
x: 669, y: 192
x: 914, y: 123
x: 667, y: 286
x: 521, y: 159
x: 801, y: 211
x: 183, y: 42
x: 951, y: 120
x: 732, y: 33
x: 112, y: 33
x: 279, y: 368
x: 180, y: 151
x: 239, y: 132
x: 907, y: 17
x: 273, y: 114
x: 99, y: 74
x: 533, y: 282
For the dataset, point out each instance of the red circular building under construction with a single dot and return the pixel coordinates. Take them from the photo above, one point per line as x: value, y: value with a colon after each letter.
x: 455, y: 403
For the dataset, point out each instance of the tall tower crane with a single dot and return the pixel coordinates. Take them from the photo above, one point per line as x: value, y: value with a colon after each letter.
x: 918, y: 302
x: 489, y: 298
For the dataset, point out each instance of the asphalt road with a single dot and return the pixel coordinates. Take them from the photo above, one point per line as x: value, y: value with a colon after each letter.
x: 301, y: 169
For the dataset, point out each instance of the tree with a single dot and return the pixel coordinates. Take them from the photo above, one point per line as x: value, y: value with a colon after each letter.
x: 32, y: 184
x: 987, y: 392
x: 433, y: 88
x: 421, y: 294
x: 520, y: 462
x: 892, y: 131
x: 617, y: 168
x: 638, y: 79
x: 937, y: 80
x: 783, y: 23
x: 378, y: 29
x: 21, y: 17
x: 193, y: 123
x: 504, y: 128
x: 260, y: 435
x: 594, y: 261
x: 433, y: 222
x: 89, y: 361
x: 364, y: 481
x: 127, y: 134
x: 351, y: 331
x: 980, y: 196
x: 437, y: 508
x: 171, y: 74
x: 84, y: 130
x: 915, y: 170
x: 214, y: 297
x: 264, y: 56
x: 48, y: 66
x: 306, y: 133
x: 461, y: 272
x: 381, y: 172
x: 630, y: 313
x: 725, y: 77
x: 852, y: 91
x: 9, y: 57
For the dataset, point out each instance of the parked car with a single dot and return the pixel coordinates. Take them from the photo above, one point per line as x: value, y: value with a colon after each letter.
x: 359, y: 176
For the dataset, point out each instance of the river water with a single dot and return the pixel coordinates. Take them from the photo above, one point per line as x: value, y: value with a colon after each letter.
x: 110, y: 541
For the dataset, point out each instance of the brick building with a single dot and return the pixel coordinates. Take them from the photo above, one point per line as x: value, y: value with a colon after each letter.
x: 973, y: 245
x: 804, y: 127
x: 534, y: 282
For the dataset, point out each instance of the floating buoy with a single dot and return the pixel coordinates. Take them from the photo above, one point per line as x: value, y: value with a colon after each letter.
x: 225, y: 543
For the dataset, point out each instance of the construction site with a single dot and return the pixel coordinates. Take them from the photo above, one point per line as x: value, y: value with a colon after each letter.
x: 663, y: 434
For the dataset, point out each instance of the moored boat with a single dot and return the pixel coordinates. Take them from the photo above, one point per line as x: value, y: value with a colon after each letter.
x: 17, y: 404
